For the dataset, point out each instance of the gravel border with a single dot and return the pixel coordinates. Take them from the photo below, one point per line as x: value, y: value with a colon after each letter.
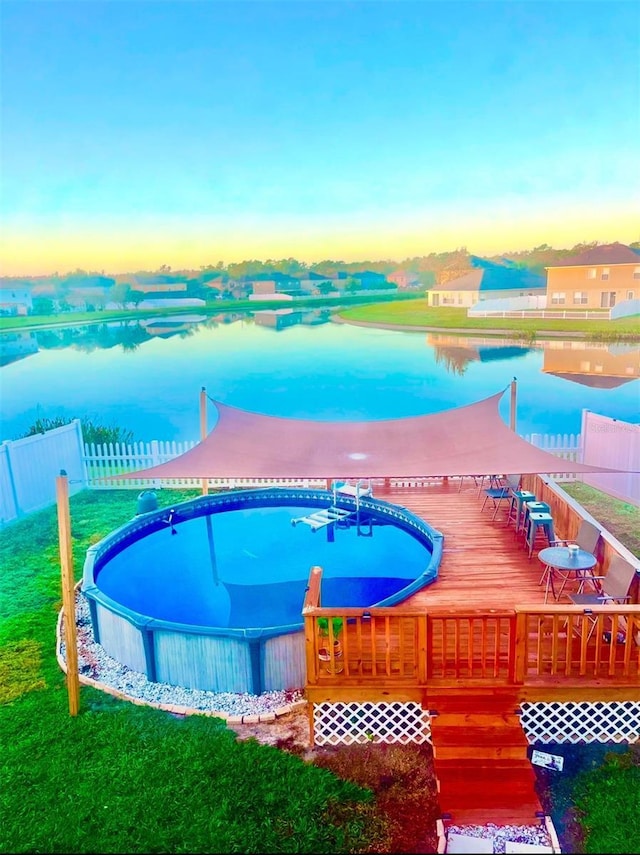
x: 99, y: 670
x: 534, y: 835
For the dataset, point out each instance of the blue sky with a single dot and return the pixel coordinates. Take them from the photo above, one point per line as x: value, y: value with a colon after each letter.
x: 136, y: 134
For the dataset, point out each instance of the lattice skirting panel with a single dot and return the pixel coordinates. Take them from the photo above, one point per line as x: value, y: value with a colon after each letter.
x: 349, y: 723
x: 616, y: 721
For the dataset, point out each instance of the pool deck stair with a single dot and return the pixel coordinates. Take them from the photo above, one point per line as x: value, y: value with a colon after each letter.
x: 481, y: 761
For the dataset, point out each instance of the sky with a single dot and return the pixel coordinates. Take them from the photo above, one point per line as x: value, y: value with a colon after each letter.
x: 137, y: 134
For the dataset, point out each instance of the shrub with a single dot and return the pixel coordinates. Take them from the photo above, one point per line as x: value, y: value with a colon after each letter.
x: 92, y: 432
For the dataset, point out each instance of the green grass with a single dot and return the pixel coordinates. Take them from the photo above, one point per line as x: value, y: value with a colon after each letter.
x: 419, y: 313
x: 620, y: 518
x: 608, y: 803
x: 123, y: 778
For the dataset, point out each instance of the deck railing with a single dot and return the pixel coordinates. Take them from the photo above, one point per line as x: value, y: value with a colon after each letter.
x: 392, y: 648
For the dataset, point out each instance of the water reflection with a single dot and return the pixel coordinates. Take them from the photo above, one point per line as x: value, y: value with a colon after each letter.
x: 599, y: 365
x: 455, y: 353
x: 17, y: 345
x: 279, y: 319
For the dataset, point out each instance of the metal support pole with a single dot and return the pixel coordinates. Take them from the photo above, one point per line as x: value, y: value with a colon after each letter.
x: 203, y: 432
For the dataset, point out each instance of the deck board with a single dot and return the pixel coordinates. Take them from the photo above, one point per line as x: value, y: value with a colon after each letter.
x: 484, y: 564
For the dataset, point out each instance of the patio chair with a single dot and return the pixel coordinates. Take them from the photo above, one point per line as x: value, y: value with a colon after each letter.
x: 587, y: 538
x: 613, y: 588
x: 503, y: 492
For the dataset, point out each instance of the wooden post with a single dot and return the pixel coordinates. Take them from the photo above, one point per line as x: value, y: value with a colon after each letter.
x: 513, y: 404
x: 203, y: 432
x: 68, y: 591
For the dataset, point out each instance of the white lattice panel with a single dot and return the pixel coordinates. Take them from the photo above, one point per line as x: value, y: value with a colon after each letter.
x: 616, y: 721
x: 349, y: 723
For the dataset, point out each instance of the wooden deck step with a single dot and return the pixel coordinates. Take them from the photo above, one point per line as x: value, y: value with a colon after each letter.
x: 500, y: 816
x: 448, y: 735
x: 480, y: 754
x: 486, y: 752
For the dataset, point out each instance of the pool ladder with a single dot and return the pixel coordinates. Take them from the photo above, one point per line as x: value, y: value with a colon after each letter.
x: 334, y: 514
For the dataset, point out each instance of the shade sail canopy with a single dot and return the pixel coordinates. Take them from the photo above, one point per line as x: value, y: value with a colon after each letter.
x: 467, y: 440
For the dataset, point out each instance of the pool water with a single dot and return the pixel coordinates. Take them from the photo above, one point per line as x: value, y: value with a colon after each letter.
x: 250, y: 567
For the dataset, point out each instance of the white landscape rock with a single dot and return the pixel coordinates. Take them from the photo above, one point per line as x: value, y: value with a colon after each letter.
x: 98, y: 665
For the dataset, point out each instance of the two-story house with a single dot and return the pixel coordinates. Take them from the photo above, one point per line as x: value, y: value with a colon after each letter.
x: 597, y: 278
x: 15, y: 301
x: 486, y: 280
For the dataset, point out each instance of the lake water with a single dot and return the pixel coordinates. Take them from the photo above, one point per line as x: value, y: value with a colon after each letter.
x: 146, y: 376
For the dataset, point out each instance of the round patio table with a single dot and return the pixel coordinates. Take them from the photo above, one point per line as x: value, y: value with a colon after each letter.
x: 560, y: 562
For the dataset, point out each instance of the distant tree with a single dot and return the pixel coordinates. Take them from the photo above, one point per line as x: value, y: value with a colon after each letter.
x: 121, y: 294
x: 325, y: 287
x: 43, y: 306
x: 135, y: 297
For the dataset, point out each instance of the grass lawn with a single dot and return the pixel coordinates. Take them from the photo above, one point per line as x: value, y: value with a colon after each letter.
x: 419, y: 313
x: 125, y: 778
x: 620, y: 518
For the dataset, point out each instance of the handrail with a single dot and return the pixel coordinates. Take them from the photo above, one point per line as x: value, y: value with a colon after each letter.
x: 391, y: 647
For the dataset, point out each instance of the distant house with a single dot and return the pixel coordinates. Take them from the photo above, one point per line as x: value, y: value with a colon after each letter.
x: 370, y: 279
x: 404, y: 279
x: 597, y: 278
x: 487, y: 281
x: 155, y: 284
x: 274, y: 283
x: 15, y: 301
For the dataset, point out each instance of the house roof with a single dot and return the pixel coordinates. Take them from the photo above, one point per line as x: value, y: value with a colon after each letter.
x: 467, y: 440
x: 610, y: 253
x: 495, y: 277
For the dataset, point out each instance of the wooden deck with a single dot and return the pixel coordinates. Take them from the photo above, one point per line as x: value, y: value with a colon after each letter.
x: 475, y: 644
x: 484, y: 565
x: 482, y: 623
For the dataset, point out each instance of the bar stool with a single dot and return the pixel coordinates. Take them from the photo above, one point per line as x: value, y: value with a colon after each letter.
x: 538, y: 522
x: 528, y: 507
x: 516, y: 508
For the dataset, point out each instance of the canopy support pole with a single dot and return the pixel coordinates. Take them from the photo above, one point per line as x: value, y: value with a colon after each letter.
x: 512, y: 424
x: 203, y: 432
x: 68, y: 592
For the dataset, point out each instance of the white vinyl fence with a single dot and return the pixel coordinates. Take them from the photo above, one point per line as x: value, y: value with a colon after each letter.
x: 565, y: 445
x: 616, y: 445
x: 29, y: 467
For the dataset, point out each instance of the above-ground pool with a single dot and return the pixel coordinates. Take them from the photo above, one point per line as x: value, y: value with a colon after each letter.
x: 208, y: 594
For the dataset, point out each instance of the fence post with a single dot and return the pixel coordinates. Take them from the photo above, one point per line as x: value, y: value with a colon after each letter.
x: 582, y: 445
x: 155, y: 458
x: 10, y: 476
x: 83, y: 463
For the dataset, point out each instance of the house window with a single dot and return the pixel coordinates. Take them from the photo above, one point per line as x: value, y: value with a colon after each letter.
x: 605, y: 273
x: 557, y: 298
x: 631, y: 295
x: 607, y: 299
x: 636, y: 273
x: 591, y: 273
x: 580, y: 297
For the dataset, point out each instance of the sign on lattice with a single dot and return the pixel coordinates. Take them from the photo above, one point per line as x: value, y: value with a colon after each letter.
x: 350, y: 723
x: 599, y: 721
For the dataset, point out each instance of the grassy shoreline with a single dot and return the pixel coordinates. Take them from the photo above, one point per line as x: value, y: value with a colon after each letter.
x: 418, y: 315
x: 408, y: 312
